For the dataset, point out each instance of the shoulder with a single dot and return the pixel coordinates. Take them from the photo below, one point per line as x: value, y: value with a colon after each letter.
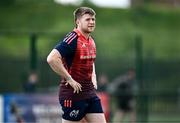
x: 70, y: 37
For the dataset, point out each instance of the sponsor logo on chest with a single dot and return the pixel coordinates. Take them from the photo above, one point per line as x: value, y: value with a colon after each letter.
x: 87, y: 51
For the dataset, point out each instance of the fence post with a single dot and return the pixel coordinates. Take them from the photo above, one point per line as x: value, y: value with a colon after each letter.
x: 142, y: 107
x: 33, y: 51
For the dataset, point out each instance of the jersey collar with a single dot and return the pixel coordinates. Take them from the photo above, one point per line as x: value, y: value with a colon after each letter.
x: 80, y: 34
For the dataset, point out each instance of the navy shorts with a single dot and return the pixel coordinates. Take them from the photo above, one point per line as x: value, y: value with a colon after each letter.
x: 76, y: 110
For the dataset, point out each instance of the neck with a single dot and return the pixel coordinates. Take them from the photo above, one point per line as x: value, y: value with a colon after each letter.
x: 85, y: 34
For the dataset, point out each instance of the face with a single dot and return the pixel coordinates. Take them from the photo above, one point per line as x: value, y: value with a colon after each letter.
x: 86, y: 23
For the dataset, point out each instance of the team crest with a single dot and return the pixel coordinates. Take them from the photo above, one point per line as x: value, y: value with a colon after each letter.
x: 74, y: 113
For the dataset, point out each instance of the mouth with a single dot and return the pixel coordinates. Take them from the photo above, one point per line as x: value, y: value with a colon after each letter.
x: 91, y: 26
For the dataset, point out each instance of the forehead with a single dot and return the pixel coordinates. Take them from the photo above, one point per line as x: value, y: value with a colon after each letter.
x: 85, y: 16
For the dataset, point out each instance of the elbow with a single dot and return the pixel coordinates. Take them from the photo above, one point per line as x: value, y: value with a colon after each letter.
x: 53, y: 57
x: 49, y: 59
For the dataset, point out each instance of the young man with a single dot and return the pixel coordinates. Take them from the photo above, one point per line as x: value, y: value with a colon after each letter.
x: 73, y: 59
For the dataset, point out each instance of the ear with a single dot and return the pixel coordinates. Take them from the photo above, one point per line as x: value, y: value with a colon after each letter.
x: 77, y: 22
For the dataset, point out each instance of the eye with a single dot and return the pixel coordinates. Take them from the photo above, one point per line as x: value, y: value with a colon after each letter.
x: 88, y: 19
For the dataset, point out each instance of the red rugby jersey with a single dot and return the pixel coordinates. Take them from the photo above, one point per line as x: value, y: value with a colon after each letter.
x: 78, y: 55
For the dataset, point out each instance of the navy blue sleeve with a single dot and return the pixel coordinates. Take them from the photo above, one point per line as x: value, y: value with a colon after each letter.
x: 68, y: 46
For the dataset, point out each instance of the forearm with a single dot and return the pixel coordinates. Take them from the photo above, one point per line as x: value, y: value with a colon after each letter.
x: 58, y: 67
x: 55, y: 62
x: 94, y: 80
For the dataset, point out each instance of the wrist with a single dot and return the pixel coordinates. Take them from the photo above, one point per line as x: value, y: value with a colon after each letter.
x: 68, y: 78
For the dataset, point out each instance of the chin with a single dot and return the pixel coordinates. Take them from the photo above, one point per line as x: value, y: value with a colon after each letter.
x: 91, y: 30
x: 88, y: 31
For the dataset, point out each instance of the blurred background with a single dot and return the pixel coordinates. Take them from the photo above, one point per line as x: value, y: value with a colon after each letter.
x: 138, y: 35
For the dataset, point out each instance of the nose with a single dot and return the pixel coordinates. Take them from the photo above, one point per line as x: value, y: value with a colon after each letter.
x: 92, y: 21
